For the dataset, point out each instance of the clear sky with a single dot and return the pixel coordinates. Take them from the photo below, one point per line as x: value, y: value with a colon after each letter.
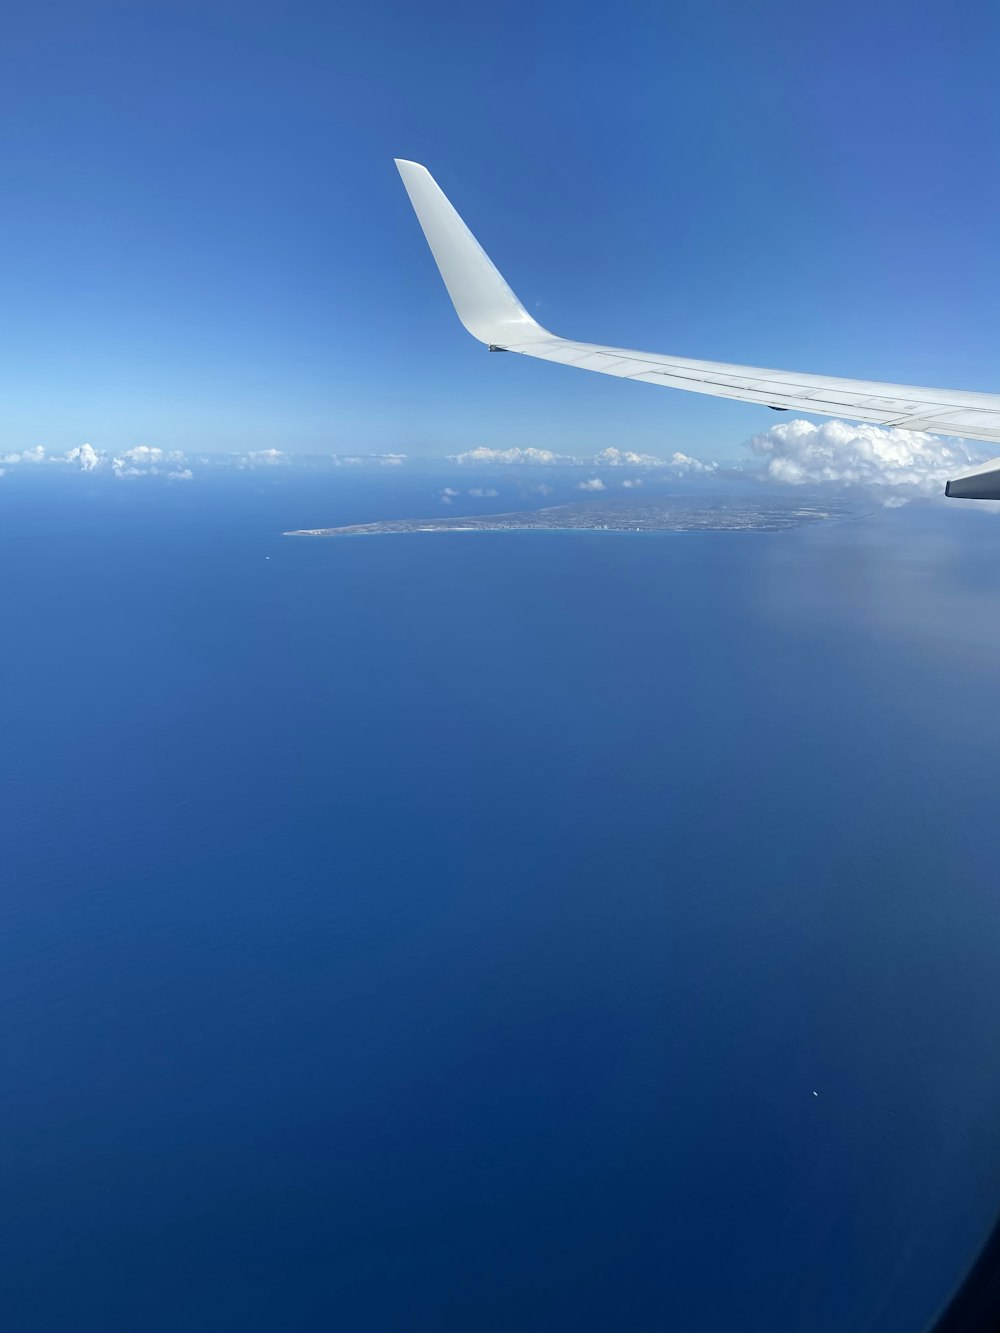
x: 206, y: 245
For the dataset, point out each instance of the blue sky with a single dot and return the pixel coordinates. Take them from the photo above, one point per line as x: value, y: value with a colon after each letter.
x: 206, y: 245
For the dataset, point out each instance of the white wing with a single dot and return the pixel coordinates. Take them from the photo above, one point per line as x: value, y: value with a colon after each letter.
x: 493, y: 314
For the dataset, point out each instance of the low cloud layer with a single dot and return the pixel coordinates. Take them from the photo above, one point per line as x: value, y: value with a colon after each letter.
x: 606, y: 458
x: 800, y: 453
x: 370, y: 460
x: 147, y: 461
x: 540, y: 457
x: 677, y: 462
x: 141, y: 461
x: 685, y: 463
x: 34, y: 455
x: 85, y: 457
x: 264, y: 458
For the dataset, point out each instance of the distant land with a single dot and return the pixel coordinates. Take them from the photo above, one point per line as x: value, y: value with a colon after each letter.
x: 671, y: 514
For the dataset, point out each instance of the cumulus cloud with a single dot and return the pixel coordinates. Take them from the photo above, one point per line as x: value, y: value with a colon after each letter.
x: 631, y: 482
x: 142, y: 461
x: 592, y: 484
x: 483, y: 492
x: 543, y: 457
x: 85, y: 456
x: 146, y: 461
x: 34, y: 455
x: 448, y: 494
x: 847, y: 454
x: 361, y: 460
x: 264, y: 458
x: 613, y: 457
x: 144, y: 455
x: 685, y: 463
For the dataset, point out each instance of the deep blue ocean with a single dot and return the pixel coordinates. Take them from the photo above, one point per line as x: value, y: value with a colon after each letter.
x: 445, y: 933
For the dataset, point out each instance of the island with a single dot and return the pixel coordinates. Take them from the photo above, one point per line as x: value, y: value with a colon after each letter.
x: 669, y: 514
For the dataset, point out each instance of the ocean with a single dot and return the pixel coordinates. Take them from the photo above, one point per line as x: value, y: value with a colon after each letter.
x: 491, y: 931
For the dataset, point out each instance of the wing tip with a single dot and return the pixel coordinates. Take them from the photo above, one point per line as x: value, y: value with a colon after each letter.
x: 979, y: 483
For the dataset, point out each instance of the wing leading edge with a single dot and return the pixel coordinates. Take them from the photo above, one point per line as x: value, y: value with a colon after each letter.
x: 493, y: 314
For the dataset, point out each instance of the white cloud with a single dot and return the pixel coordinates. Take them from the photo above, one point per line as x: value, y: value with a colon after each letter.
x: 631, y: 482
x: 593, y: 484
x: 85, y: 456
x: 35, y: 455
x: 263, y: 458
x: 359, y: 460
x: 142, y: 461
x: 542, y: 457
x: 483, y: 492
x: 144, y: 455
x: 180, y: 474
x: 448, y: 494
x: 613, y: 457
x: 800, y: 453
x: 606, y: 458
x: 685, y: 463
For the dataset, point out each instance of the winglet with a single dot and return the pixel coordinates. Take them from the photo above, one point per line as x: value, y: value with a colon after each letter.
x: 982, y: 483
x: 482, y: 300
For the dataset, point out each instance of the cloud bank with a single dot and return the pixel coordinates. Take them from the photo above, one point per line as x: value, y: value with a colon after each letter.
x: 85, y: 457
x: 147, y: 461
x: 540, y: 457
x: 359, y: 460
x: 800, y: 453
x: 35, y: 455
x: 606, y: 458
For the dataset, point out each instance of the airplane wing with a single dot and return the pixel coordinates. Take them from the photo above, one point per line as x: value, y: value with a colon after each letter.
x: 493, y: 314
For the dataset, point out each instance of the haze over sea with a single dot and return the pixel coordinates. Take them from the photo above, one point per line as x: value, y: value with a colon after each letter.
x: 493, y: 931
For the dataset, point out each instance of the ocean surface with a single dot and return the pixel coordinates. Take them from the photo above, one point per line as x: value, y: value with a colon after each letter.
x: 478, y: 932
